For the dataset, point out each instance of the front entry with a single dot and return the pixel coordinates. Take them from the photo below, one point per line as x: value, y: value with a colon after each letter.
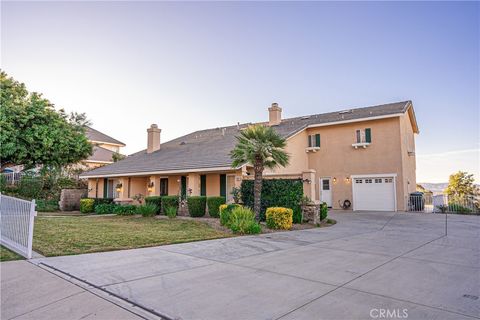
x: 326, y: 191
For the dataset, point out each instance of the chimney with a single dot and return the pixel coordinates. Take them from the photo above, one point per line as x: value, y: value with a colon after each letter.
x: 274, y: 115
x: 153, y: 143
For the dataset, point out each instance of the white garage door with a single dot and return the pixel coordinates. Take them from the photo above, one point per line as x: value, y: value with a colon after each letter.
x: 374, y: 193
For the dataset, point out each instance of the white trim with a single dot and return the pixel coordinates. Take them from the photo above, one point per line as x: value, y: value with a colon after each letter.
x: 355, y: 120
x: 109, y: 143
x: 385, y: 175
x: 147, y: 173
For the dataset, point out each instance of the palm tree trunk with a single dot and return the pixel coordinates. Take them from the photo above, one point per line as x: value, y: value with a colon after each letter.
x: 257, y: 189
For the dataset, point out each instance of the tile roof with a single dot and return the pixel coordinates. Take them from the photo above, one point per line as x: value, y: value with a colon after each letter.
x: 210, y: 148
x: 95, y: 135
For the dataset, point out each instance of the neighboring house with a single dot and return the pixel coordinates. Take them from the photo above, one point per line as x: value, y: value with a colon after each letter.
x: 364, y: 155
x: 104, y: 147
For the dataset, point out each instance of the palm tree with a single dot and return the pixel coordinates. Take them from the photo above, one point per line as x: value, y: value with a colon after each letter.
x: 261, y: 147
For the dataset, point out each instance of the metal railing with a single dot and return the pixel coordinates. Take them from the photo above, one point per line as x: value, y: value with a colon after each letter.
x: 16, y: 224
x: 12, y: 178
x: 442, y: 204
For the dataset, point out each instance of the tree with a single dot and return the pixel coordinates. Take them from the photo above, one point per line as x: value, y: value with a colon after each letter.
x: 461, y: 185
x: 34, y: 133
x: 262, y: 147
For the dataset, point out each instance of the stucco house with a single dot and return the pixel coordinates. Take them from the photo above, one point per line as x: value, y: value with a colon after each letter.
x: 364, y: 155
x: 104, y: 147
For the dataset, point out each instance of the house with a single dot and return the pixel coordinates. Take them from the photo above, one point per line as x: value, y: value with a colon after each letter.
x: 364, y: 155
x: 104, y: 148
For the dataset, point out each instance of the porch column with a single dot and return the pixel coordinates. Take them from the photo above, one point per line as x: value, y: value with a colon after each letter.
x: 193, y: 184
x: 308, y: 178
x: 123, y: 193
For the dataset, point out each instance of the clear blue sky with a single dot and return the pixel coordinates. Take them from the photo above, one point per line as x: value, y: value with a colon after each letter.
x: 189, y: 66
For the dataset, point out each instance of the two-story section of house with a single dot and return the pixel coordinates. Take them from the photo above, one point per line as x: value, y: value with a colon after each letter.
x: 104, y: 148
x: 362, y: 156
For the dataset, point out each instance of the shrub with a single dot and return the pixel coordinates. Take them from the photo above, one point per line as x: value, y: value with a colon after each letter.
x: 455, y: 207
x: 147, y: 210
x: 323, y: 211
x: 279, y: 218
x: 102, y: 201
x: 171, y: 212
x: 214, y: 204
x: 125, y: 210
x: 242, y: 221
x: 443, y: 208
x: 155, y: 200
x: 169, y: 201
x: 46, y: 205
x: 30, y: 187
x: 225, y: 211
x: 287, y: 193
x: 87, y: 205
x: 105, y: 208
x: 196, y: 206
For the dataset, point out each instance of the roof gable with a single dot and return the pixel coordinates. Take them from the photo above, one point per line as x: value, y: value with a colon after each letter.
x: 97, y: 136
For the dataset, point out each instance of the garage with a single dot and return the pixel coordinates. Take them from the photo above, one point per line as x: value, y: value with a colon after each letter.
x: 374, y: 193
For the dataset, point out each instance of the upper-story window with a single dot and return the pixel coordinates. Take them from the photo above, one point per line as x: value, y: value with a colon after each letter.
x: 314, y: 141
x: 363, y: 135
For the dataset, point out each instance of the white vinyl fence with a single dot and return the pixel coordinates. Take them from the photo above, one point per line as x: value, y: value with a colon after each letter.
x: 16, y: 224
x: 442, y: 203
x: 12, y: 178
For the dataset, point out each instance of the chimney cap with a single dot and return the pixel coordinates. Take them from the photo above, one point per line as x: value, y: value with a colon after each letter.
x: 274, y: 107
x: 153, y: 125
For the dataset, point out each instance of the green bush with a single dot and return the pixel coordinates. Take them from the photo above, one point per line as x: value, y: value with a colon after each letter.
x: 169, y: 201
x: 287, y: 193
x: 105, y: 208
x: 225, y: 212
x: 171, y: 212
x: 454, y: 207
x: 147, y: 210
x: 196, y: 206
x: 155, y: 200
x: 279, y: 218
x: 242, y: 221
x: 323, y: 211
x: 125, y: 210
x: 87, y: 205
x: 30, y: 187
x: 214, y: 204
x: 46, y: 205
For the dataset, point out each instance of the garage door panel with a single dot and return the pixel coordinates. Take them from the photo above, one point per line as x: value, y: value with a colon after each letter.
x: 374, y: 193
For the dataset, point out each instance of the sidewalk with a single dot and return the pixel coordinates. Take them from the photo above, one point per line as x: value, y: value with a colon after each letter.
x: 30, y: 292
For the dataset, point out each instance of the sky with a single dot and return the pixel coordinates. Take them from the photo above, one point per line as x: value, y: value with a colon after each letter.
x: 195, y: 65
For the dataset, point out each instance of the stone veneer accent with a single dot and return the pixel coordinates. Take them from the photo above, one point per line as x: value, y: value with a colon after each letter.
x: 311, y: 213
x: 70, y: 199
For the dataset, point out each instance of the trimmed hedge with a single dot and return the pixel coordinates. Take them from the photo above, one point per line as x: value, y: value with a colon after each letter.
x: 87, y: 205
x: 196, y: 206
x: 279, y: 218
x: 323, y: 211
x: 156, y: 201
x: 214, y: 204
x: 286, y: 193
x: 225, y: 211
x: 125, y: 210
x: 169, y: 201
x: 105, y: 208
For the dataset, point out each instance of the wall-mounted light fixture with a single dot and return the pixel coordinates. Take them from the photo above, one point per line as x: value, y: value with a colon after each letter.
x: 334, y: 180
x: 150, y: 186
x: 347, y: 179
x: 118, y: 187
x: 307, y: 181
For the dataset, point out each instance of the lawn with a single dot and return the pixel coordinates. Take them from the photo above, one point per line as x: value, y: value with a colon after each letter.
x: 7, y: 255
x: 56, y: 236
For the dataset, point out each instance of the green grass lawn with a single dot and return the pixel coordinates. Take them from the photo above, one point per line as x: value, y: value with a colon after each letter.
x: 56, y: 236
x: 7, y: 255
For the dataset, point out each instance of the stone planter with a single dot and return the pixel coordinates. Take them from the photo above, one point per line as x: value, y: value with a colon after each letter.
x: 311, y: 213
x: 70, y: 199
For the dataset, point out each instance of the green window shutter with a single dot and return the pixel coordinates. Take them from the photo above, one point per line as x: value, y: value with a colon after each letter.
x: 203, y: 185
x: 184, y: 187
x: 368, y: 135
x: 309, y: 141
x: 105, y: 187
x: 223, y: 185
x: 317, y: 140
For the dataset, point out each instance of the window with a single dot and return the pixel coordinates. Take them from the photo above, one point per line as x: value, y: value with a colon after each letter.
x: 388, y: 180
x: 325, y: 184
x: 163, y: 186
x: 314, y: 141
x: 378, y: 180
x: 358, y: 181
x: 368, y: 180
x: 363, y: 136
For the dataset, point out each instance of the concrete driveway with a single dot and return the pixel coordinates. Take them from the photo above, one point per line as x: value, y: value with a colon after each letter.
x: 368, y: 266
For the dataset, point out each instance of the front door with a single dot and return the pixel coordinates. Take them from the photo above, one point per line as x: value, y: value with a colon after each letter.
x: 326, y: 191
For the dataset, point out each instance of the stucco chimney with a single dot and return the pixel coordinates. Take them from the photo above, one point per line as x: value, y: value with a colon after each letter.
x: 153, y: 143
x: 274, y: 115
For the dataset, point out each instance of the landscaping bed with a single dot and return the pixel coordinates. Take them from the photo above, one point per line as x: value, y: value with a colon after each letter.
x: 57, y: 236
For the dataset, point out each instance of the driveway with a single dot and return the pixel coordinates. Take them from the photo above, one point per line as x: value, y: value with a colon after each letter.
x: 368, y: 266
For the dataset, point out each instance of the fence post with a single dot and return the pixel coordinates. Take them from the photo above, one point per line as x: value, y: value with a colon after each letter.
x: 33, y: 213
